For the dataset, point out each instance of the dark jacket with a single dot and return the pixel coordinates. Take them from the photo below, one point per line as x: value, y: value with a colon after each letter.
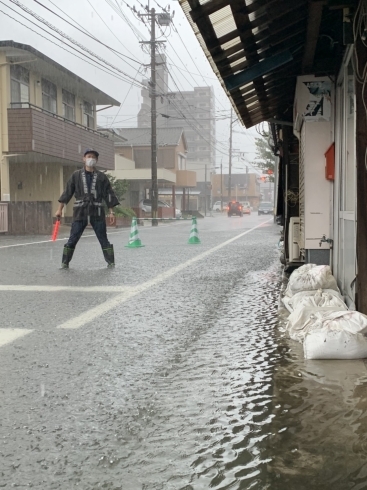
x: 88, y: 202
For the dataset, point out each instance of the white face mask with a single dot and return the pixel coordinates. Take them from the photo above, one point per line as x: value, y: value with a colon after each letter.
x: 90, y: 162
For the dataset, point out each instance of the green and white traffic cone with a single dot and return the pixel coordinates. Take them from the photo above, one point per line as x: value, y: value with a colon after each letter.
x: 134, y: 240
x: 194, y: 234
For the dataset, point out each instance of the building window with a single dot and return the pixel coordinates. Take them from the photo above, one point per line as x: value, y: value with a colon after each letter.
x: 19, y: 78
x: 49, y: 96
x: 68, y: 103
x: 88, y: 115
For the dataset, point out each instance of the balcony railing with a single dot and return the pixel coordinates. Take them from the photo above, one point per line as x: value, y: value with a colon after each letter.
x: 28, y: 105
x: 32, y: 129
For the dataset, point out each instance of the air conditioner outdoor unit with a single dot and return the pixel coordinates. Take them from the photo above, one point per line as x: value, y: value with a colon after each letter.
x: 293, y: 239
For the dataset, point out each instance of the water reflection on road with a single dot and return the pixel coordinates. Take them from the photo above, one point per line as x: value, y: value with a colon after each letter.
x: 239, y: 408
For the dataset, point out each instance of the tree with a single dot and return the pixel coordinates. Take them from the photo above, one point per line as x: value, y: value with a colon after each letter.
x: 119, y: 187
x: 265, y: 159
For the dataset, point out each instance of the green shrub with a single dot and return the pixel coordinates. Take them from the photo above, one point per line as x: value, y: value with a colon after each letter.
x: 124, y: 212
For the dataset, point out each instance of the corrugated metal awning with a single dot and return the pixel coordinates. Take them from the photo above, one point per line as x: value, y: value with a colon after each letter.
x: 258, y: 47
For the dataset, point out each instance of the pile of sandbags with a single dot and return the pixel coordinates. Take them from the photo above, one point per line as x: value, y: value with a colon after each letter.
x: 319, y: 317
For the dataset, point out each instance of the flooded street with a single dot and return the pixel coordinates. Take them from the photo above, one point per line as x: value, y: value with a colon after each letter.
x: 183, y: 381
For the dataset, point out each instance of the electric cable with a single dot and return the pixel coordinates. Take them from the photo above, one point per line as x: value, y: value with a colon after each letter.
x: 62, y: 34
x: 93, y: 62
x: 122, y: 103
x: 86, y: 33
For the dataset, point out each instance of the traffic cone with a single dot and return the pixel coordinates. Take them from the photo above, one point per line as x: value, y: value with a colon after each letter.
x: 194, y: 234
x: 134, y: 240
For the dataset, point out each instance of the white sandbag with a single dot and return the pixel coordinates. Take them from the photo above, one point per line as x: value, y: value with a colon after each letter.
x: 295, y: 274
x: 303, y: 320
x: 293, y: 299
x: 320, y: 297
x: 333, y: 344
x: 285, y: 301
x: 338, y: 335
x: 316, y: 277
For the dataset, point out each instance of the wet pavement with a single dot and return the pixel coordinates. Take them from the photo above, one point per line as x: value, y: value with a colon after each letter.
x: 174, y: 375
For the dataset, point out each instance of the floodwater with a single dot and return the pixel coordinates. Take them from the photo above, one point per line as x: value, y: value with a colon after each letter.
x: 239, y: 408
x: 215, y: 398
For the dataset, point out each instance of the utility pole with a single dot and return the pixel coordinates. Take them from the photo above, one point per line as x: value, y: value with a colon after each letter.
x: 246, y: 184
x: 221, y: 185
x: 211, y: 194
x: 154, y: 192
x: 163, y: 19
x: 230, y: 158
x: 205, y: 192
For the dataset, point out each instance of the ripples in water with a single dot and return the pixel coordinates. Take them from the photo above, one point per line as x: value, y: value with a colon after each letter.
x: 218, y: 398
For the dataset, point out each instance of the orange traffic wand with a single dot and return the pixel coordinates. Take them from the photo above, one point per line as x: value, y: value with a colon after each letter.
x: 56, y: 229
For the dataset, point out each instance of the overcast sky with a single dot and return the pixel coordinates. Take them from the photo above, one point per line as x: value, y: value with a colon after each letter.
x: 114, y: 23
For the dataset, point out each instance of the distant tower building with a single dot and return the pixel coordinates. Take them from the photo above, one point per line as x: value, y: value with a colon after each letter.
x: 193, y: 110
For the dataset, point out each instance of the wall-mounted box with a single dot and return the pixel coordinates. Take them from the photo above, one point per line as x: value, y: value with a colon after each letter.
x: 330, y: 162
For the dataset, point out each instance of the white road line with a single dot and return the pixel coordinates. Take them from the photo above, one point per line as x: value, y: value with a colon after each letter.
x: 126, y: 230
x: 8, y: 335
x: 97, y: 311
x: 51, y: 289
x: 59, y: 239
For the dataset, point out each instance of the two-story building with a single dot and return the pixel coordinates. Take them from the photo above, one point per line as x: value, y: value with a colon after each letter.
x: 47, y: 120
x: 133, y: 163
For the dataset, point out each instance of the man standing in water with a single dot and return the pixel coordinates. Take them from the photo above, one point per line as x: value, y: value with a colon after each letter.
x: 89, y: 186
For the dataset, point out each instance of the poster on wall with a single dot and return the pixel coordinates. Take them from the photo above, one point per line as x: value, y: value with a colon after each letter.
x: 318, y: 107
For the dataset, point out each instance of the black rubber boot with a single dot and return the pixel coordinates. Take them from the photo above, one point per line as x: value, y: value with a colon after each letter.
x: 67, y: 255
x: 109, y: 256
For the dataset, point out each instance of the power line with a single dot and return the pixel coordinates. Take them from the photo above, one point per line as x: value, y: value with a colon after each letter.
x: 86, y: 33
x: 183, y: 98
x: 184, y: 116
x: 192, y: 58
x: 119, y: 40
x: 70, y: 39
x: 197, y: 130
x: 188, y: 52
x: 104, y: 69
x: 121, y: 14
x: 195, y: 74
x: 122, y: 103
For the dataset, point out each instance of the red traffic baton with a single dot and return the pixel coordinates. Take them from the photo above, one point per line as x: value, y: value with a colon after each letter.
x: 56, y: 229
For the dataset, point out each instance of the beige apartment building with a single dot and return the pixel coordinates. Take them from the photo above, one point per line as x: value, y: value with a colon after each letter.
x: 47, y: 120
x: 133, y: 163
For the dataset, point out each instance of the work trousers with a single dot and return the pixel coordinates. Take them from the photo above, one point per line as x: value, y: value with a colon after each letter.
x: 99, y: 227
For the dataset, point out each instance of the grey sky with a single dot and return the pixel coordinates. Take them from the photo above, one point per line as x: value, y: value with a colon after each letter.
x: 100, y: 17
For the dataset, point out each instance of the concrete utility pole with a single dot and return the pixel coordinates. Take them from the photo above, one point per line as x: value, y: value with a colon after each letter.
x: 154, y: 192
x: 230, y: 158
x: 162, y: 19
x: 221, y: 185
x: 205, y: 193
